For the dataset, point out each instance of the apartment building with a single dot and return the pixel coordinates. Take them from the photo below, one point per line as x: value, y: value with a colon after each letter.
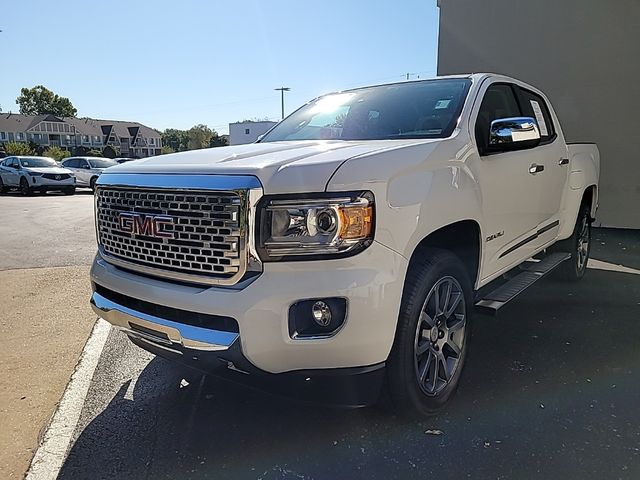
x: 130, y: 139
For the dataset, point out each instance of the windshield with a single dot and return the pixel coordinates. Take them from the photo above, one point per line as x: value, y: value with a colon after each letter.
x: 426, y: 109
x: 36, y: 162
x: 102, y: 163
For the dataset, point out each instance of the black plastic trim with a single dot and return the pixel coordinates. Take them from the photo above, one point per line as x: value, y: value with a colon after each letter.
x: 530, y: 238
x: 196, y: 319
x: 338, y: 387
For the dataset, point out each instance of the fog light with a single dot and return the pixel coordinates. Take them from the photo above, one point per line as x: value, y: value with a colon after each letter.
x: 317, y: 317
x: 321, y: 313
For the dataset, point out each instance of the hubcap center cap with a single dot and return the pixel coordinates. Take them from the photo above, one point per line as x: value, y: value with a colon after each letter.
x: 434, y: 334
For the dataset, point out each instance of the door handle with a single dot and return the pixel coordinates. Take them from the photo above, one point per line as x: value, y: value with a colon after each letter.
x: 563, y: 161
x: 535, y: 168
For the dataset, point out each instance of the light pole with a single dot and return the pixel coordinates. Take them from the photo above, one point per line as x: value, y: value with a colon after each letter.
x: 282, y: 90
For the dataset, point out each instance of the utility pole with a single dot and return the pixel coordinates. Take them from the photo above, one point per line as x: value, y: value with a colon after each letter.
x: 282, y: 90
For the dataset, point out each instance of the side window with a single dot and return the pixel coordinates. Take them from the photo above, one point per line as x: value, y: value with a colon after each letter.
x: 499, y: 102
x: 68, y: 163
x: 533, y: 105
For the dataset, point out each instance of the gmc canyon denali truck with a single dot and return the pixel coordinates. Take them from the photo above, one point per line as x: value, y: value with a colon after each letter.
x: 348, y: 248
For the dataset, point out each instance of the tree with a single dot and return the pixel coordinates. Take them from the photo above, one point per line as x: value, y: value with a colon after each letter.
x: 56, y: 153
x: 110, y: 152
x: 218, y: 140
x: 178, y: 140
x: 199, y: 137
x: 167, y: 149
x: 18, y: 148
x: 39, y: 100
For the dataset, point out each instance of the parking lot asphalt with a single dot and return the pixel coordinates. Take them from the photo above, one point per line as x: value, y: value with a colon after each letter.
x: 46, y: 245
x: 49, y: 230
x: 551, y: 390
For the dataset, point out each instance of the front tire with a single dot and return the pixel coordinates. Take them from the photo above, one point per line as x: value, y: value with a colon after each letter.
x: 24, y: 187
x: 92, y: 183
x: 578, y: 245
x: 432, y: 335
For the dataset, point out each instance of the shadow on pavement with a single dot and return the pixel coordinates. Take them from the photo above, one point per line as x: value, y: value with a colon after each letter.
x: 550, y: 390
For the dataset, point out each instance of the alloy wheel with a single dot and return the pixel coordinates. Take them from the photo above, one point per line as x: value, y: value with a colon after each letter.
x: 439, y: 339
x: 584, y: 238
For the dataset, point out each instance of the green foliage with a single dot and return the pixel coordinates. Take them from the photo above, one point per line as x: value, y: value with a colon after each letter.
x: 167, y: 149
x: 56, y: 153
x: 110, y: 152
x: 176, y: 139
x: 199, y: 137
x: 39, y: 100
x: 18, y: 148
x: 218, y: 140
x: 94, y: 152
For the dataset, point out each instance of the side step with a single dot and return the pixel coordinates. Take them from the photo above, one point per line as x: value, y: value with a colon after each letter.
x: 532, y: 271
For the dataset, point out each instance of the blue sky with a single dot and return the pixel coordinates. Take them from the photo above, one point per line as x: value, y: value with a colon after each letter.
x: 179, y: 63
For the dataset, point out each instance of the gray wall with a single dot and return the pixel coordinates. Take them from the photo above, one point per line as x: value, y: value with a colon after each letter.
x: 584, y: 54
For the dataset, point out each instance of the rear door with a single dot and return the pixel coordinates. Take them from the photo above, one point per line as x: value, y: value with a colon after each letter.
x: 551, y: 155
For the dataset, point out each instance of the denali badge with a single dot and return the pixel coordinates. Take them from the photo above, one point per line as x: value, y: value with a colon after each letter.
x: 147, y: 225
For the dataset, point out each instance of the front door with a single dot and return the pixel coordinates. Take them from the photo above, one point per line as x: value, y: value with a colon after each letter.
x: 509, y: 193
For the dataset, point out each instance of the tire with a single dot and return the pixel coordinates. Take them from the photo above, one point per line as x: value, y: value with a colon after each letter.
x: 92, y: 183
x: 430, y: 335
x: 69, y: 190
x: 25, y: 188
x: 3, y: 187
x: 578, y: 245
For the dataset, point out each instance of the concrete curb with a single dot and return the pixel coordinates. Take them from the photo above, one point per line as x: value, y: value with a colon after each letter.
x: 51, y: 453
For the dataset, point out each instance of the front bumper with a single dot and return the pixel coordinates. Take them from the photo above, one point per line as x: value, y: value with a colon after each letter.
x: 370, y: 281
x: 41, y: 183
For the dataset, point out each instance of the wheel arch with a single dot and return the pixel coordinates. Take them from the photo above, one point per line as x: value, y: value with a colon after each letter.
x: 462, y: 238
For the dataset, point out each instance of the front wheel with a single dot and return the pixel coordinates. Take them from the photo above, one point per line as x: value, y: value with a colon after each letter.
x: 92, y: 183
x: 432, y: 336
x: 24, y: 187
x: 578, y: 245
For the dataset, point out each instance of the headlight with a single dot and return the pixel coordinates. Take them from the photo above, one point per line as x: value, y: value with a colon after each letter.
x: 34, y: 174
x: 320, y: 225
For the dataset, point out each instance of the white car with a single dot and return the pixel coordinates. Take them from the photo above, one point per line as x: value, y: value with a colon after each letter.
x: 87, y: 169
x: 349, y: 247
x: 35, y: 174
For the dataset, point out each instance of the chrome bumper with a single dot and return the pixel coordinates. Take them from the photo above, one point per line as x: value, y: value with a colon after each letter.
x: 159, y: 331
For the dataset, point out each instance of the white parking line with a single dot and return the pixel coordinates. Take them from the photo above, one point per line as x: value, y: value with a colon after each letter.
x: 49, y: 457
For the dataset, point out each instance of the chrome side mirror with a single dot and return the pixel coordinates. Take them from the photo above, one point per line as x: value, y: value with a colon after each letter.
x: 516, y: 133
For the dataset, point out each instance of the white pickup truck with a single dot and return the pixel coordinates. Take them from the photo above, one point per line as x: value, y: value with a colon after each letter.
x: 348, y: 248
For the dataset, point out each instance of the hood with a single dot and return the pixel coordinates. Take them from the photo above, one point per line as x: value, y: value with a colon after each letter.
x: 281, y: 167
x: 52, y: 170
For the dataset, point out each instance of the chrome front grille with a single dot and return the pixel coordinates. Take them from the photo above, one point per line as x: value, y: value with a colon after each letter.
x: 201, y: 237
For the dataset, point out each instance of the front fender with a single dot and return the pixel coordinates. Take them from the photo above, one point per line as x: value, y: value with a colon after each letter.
x: 418, y: 190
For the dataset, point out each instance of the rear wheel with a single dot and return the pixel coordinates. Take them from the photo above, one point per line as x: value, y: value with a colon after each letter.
x: 24, y: 187
x: 578, y: 245
x: 431, y: 341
